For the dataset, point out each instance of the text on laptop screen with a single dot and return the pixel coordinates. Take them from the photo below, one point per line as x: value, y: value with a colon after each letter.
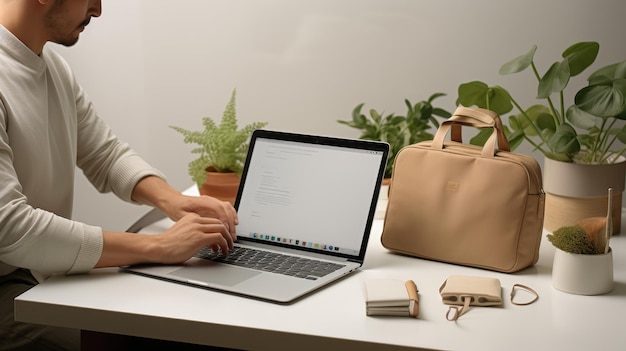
x: 308, y: 195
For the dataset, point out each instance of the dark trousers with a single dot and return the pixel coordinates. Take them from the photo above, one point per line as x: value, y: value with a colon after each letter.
x: 24, y: 336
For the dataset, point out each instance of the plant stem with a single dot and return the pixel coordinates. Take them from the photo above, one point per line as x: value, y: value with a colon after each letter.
x: 531, y: 123
x: 532, y: 64
x: 619, y: 152
x: 605, y: 143
x: 536, y: 146
x: 562, y: 106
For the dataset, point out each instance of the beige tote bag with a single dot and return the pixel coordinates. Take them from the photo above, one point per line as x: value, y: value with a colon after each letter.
x: 463, y: 204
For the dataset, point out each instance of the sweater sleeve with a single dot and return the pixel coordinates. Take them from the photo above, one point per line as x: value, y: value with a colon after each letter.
x: 35, y: 238
x: 34, y: 242
x: 47, y: 128
x: 37, y: 169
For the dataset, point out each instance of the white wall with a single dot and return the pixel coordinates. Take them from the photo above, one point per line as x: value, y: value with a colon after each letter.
x: 301, y: 65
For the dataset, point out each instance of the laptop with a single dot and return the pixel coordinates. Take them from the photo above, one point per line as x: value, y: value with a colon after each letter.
x: 310, y: 197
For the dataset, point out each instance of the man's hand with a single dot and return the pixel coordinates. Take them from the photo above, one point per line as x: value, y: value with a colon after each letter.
x: 205, y: 206
x: 190, y: 234
x: 200, y: 221
x: 156, y: 192
x: 176, y: 245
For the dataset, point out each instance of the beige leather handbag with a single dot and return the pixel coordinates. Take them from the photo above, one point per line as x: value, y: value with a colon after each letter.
x: 463, y: 204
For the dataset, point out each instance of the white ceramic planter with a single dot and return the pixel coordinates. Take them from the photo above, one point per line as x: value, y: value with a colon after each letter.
x: 577, y: 191
x: 582, y: 274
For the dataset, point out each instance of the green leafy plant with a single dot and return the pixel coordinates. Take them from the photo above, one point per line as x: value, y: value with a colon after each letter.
x: 587, y: 131
x: 398, y: 130
x: 222, y: 147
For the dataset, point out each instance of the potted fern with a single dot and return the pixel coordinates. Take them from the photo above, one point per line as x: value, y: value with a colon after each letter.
x: 222, y: 150
x: 582, y: 138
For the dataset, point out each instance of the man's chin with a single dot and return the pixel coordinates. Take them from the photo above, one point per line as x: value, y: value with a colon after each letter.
x: 68, y: 42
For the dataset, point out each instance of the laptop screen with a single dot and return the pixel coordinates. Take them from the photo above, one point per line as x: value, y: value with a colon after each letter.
x: 310, y: 192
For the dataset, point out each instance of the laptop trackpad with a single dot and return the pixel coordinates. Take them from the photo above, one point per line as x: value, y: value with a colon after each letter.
x: 215, y: 273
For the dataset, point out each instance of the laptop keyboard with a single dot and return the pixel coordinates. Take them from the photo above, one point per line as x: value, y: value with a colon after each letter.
x: 272, y: 262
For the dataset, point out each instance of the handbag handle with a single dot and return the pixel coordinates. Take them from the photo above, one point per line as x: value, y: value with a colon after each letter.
x: 478, y: 118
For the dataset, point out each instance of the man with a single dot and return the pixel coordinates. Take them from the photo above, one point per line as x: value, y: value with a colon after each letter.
x: 48, y: 127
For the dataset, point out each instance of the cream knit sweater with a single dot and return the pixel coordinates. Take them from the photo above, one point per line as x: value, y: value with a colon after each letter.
x: 48, y: 126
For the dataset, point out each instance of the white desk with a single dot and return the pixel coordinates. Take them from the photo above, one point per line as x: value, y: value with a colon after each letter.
x: 334, y: 318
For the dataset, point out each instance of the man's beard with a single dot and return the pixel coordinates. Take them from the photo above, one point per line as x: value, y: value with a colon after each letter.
x: 57, y: 26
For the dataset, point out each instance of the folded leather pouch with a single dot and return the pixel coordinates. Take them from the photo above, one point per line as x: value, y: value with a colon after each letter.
x: 391, y: 297
x: 468, y: 291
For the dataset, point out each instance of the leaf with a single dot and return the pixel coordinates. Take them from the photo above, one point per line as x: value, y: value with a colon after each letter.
x: 545, y: 121
x: 580, y: 118
x: 473, y: 94
x: 499, y: 100
x: 395, y: 120
x: 580, y: 56
x: 559, y: 157
x: 208, y: 124
x: 481, y: 137
x: 410, y: 109
x: 515, y: 137
x: 600, y: 80
x: 620, y: 70
x: 222, y: 146
x: 520, y: 63
x: 360, y: 121
x: 423, y: 110
x: 613, y: 71
x: 621, y: 134
x: 376, y: 117
x: 621, y: 116
x: 587, y: 140
x: 555, y: 80
x: 357, y: 116
x: 434, y: 96
x: 539, y: 115
x: 441, y: 113
x: 603, y: 99
x: 564, y: 140
x: 479, y: 94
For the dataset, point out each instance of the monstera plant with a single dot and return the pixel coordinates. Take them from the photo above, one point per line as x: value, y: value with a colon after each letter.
x: 581, y: 126
x: 579, y: 130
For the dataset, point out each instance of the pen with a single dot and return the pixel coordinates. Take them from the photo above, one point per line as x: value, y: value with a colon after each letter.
x: 414, y: 308
x: 609, y: 222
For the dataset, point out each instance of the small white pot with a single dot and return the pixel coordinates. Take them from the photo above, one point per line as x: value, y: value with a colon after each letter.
x: 582, y: 274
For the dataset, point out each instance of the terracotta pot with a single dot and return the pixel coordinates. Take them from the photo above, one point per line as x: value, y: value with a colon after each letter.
x: 577, y: 191
x: 223, y: 186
